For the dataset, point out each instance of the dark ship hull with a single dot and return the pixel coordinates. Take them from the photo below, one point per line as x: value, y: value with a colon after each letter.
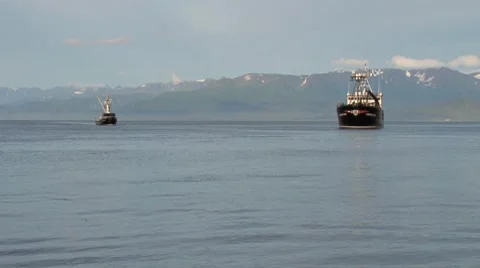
x: 107, y: 119
x: 360, y: 116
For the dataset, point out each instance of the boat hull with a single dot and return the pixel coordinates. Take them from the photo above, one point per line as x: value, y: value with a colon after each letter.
x: 106, y: 120
x: 360, y: 117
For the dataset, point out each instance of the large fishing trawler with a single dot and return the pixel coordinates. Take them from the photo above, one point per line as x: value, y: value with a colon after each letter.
x: 363, y: 109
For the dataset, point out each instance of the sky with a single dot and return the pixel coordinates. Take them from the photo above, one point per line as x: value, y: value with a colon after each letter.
x: 48, y: 43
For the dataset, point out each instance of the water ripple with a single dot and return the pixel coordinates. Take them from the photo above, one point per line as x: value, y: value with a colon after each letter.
x: 238, y: 195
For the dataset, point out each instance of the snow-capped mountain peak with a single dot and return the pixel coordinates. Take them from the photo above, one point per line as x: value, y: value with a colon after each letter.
x: 421, y: 76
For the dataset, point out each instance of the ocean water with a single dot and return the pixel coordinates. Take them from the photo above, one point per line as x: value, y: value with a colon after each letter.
x: 243, y: 194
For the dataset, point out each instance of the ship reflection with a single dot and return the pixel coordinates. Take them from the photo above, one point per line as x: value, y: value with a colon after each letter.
x: 362, y: 176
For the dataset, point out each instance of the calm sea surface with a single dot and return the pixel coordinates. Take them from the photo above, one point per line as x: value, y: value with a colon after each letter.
x: 239, y: 195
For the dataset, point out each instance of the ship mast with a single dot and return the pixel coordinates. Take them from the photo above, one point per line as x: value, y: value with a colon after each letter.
x: 362, y: 92
x: 108, y: 103
x: 361, y: 81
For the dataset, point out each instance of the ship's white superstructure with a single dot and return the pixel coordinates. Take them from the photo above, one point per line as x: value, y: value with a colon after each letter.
x: 360, y: 93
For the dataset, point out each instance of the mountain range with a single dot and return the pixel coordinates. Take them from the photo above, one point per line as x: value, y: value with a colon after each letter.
x: 416, y: 94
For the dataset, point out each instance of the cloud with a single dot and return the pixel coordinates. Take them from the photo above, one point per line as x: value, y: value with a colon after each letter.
x: 113, y: 41
x: 404, y: 62
x: 468, y: 61
x: 176, y: 79
x: 465, y: 61
x: 79, y: 9
x: 350, y: 62
x: 72, y: 42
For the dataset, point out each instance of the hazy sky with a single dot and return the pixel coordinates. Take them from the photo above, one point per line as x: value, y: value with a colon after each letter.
x: 130, y: 42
